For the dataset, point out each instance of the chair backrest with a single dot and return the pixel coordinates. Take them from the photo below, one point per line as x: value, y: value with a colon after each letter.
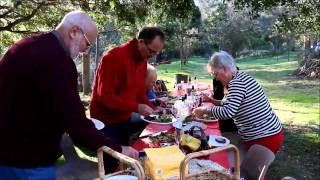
x: 217, y: 174
x: 181, y: 77
x: 256, y: 162
x: 122, y: 158
x: 160, y: 87
x: 74, y: 167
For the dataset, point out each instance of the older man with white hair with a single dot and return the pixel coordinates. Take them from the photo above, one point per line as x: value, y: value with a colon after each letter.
x: 39, y: 100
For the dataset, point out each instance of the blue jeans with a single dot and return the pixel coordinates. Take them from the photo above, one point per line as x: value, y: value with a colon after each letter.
x: 40, y: 173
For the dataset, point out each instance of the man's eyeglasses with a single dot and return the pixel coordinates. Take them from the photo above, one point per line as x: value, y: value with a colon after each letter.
x: 85, y: 37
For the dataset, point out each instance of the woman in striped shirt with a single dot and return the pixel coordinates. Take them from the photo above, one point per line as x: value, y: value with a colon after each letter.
x: 246, y: 103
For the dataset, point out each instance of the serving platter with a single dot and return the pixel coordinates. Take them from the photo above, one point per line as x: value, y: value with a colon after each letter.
x: 146, y: 119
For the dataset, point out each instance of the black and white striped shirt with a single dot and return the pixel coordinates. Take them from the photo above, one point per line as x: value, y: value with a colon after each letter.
x: 247, y: 104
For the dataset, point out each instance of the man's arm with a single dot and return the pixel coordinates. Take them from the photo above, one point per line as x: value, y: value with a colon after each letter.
x: 143, y: 97
x: 57, y: 80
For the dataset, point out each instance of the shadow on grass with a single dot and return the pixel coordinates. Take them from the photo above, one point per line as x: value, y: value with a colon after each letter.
x: 299, y: 156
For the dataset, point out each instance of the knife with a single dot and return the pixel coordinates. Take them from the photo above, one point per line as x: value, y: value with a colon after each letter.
x: 153, y: 134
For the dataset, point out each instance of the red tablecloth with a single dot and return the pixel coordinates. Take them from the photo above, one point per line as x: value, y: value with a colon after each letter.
x: 212, y: 129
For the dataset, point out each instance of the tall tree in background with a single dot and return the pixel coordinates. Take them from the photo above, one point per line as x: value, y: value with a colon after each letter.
x: 297, y: 17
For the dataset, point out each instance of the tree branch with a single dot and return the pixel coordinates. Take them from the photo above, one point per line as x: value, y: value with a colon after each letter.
x: 22, y: 18
x: 22, y: 32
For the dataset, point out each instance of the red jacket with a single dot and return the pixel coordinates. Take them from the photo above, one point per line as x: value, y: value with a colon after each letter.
x: 119, y: 85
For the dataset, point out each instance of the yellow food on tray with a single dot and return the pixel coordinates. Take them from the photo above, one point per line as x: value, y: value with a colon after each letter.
x: 163, y: 163
x: 191, y: 142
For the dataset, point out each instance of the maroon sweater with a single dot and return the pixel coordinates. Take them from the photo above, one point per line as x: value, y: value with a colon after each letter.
x: 39, y: 102
x: 119, y: 85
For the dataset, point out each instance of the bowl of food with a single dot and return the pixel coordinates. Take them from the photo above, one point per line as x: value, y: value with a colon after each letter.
x: 206, y: 118
x: 163, y: 119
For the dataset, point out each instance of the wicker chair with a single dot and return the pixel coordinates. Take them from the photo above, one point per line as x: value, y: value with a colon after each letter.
x: 212, y: 174
x: 256, y: 162
x: 138, y: 170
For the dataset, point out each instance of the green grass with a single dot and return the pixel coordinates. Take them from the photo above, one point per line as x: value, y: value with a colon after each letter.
x: 295, y: 100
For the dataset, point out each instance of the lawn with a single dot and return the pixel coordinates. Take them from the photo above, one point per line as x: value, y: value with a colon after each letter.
x: 295, y: 100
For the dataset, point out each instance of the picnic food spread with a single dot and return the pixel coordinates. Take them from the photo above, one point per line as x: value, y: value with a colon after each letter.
x: 163, y: 137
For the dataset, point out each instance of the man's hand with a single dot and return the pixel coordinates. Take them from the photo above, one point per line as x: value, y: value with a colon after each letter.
x: 129, y: 151
x: 144, y: 109
x: 161, y: 103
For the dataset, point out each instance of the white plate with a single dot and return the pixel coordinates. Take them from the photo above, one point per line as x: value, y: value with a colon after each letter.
x: 98, y: 124
x: 194, y: 123
x: 213, y: 142
x: 206, y: 120
x: 122, y: 177
x: 160, y: 123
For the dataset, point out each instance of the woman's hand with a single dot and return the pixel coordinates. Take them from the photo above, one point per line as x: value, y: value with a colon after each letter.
x: 206, y: 98
x: 200, y: 112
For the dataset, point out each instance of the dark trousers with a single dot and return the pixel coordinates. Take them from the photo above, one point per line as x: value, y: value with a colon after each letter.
x: 227, y: 125
x: 120, y: 133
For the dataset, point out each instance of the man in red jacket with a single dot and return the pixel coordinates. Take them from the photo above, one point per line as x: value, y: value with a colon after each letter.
x: 119, y: 87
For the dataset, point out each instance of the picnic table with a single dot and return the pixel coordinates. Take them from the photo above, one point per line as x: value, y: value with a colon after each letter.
x: 212, y: 129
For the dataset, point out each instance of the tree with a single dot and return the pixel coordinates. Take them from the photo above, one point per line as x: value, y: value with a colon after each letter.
x: 21, y: 17
x: 228, y: 29
x: 296, y: 17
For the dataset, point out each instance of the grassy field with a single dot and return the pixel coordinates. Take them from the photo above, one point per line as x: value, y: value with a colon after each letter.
x: 296, y: 101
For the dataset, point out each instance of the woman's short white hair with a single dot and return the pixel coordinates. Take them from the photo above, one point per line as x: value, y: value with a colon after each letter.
x: 222, y: 59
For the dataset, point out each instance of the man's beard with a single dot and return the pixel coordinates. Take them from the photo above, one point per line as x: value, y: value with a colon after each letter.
x: 75, y: 47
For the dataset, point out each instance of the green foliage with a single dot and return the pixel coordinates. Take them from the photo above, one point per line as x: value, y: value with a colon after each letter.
x: 229, y: 30
x: 25, y: 17
x: 296, y: 16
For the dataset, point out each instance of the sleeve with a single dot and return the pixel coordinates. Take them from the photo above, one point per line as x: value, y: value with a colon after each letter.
x: 143, y: 97
x: 237, y: 92
x: 59, y: 84
x: 81, y: 129
x: 108, y: 82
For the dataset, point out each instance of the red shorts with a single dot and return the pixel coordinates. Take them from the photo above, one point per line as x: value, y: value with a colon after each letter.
x: 273, y: 142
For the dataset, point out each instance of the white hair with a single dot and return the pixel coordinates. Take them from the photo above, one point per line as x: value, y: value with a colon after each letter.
x: 223, y: 59
x: 77, y: 18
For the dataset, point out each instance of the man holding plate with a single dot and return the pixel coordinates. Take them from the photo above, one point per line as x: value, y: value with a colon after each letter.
x: 119, y: 87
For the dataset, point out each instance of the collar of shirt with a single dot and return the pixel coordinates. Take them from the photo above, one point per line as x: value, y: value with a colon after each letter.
x: 61, y: 41
x: 133, y: 44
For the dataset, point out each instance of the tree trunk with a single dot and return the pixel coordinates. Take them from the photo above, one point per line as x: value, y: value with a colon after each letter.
x: 97, y: 53
x: 181, y: 53
x: 306, y: 47
x: 86, y: 73
x: 181, y: 47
